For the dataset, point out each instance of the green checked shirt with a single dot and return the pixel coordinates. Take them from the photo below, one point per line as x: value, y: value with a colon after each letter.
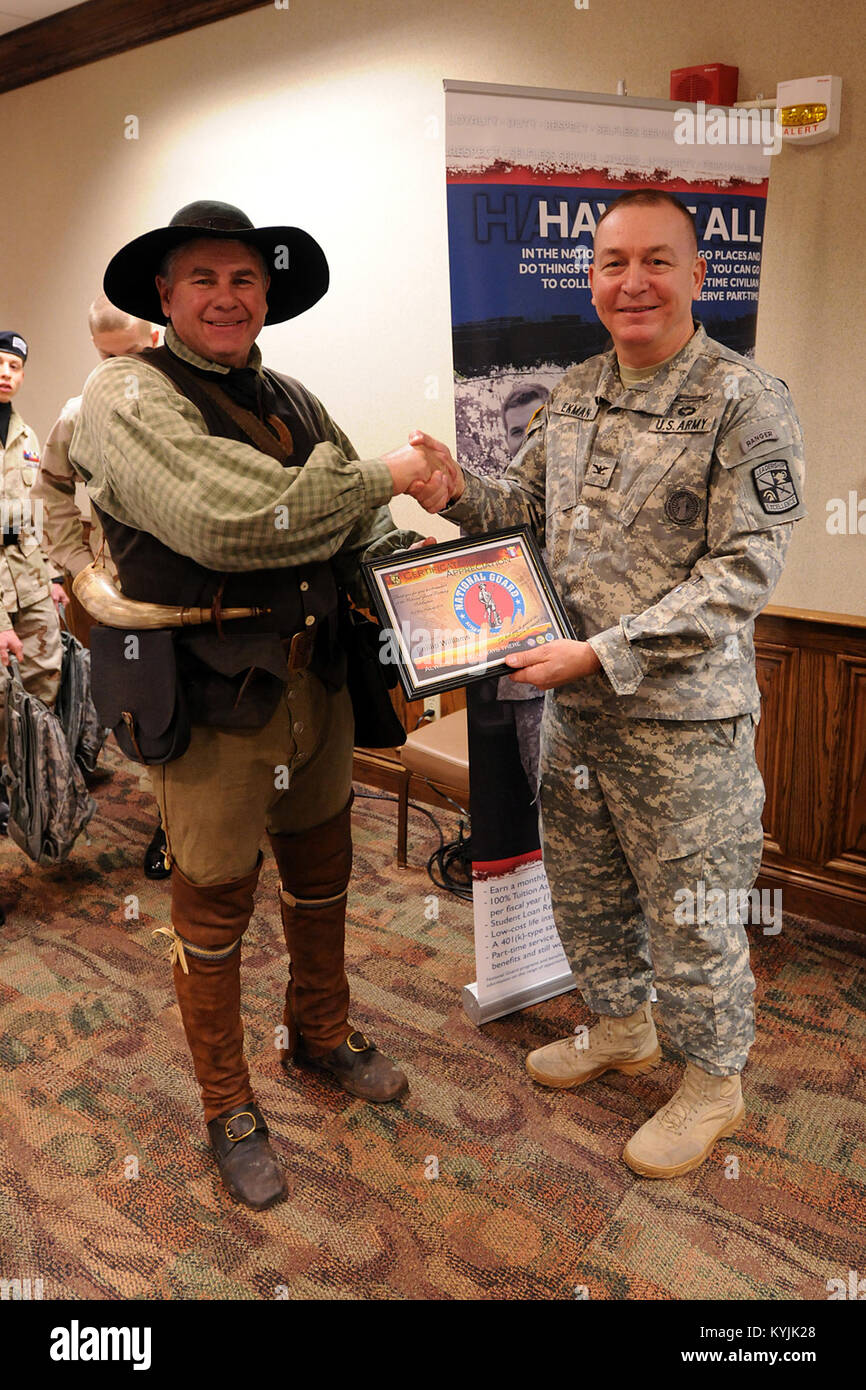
x: 148, y: 460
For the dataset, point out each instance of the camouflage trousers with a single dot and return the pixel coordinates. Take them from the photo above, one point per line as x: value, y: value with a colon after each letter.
x: 38, y: 628
x: 644, y: 821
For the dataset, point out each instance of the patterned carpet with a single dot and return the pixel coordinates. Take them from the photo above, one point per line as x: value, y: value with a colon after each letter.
x: 107, y: 1190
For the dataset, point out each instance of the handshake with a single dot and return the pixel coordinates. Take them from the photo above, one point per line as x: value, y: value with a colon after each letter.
x: 425, y: 470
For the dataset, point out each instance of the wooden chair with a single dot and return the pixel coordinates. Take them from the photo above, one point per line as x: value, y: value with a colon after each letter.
x: 435, y: 757
x: 432, y: 766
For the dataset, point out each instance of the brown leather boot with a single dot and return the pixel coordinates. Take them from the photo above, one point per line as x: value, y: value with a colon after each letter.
x: 208, y: 922
x: 314, y: 870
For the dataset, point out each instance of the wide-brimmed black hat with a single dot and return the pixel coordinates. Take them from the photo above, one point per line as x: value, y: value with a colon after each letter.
x: 295, y: 261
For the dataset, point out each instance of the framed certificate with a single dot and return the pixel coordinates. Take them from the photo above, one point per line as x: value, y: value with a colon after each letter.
x: 451, y: 613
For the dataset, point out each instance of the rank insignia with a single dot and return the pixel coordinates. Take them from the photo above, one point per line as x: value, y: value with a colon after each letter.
x: 683, y: 507
x: 600, y: 472
x: 775, y: 486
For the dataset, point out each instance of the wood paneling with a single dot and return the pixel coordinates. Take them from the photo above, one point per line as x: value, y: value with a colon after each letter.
x: 99, y: 29
x: 849, y: 827
x: 812, y: 753
x: 777, y: 679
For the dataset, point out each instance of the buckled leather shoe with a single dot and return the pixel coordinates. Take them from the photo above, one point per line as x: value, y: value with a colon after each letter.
x: 358, y: 1066
x: 155, y: 865
x: 247, y: 1163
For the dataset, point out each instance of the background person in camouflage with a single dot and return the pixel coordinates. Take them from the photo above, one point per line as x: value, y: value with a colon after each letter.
x: 29, y: 626
x: 72, y: 539
x: 72, y: 533
x: 664, y: 478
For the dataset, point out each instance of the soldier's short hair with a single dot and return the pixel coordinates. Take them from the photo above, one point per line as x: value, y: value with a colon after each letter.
x: 105, y: 317
x: 649, y: 197
x: 522, y: 395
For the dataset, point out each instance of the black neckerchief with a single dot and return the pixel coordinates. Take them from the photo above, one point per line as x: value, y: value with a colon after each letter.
x: 246, y: 386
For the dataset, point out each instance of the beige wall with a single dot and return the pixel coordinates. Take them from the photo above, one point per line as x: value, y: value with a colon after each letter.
x: 320, y: 115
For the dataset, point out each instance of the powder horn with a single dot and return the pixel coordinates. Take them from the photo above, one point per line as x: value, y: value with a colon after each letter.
x: 95, y: 592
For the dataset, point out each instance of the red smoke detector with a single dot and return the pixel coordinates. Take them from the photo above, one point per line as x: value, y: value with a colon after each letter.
x: 709, y: 82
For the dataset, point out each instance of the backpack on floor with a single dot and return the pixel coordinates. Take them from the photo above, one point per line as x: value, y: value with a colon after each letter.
x: 49, y: 804
x: 74, y: 705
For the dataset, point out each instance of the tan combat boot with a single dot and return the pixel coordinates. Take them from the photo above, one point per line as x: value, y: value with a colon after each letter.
x: 627, y: 1044
x: 681, y: 1134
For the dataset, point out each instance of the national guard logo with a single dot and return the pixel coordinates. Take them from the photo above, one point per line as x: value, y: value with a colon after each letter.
x: 776, y: 490
x: 682, y: 507
x: 487, y: 599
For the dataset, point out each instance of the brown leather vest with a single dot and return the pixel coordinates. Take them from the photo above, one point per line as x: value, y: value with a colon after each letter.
x: 235, y: 677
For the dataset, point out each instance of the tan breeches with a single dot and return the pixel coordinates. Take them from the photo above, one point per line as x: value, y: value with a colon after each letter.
x: 232, y: 785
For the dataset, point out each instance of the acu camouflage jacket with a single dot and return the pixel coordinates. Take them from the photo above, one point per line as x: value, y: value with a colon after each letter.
x: 666, y: 509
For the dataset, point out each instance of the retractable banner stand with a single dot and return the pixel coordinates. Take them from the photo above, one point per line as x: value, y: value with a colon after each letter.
x: 529, y: 174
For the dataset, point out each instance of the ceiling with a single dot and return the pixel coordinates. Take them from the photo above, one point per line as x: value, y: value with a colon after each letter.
x: 15, y: 13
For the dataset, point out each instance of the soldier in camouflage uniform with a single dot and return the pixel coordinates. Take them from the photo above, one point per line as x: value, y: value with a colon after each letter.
x: 73, y: 535
x: 664, y: 478
x: 29, y: 627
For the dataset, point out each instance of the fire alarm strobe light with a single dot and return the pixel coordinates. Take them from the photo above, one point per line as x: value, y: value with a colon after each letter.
x: 809, y: 109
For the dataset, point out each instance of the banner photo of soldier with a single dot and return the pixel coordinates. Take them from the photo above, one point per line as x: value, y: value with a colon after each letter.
x: 529, y: 172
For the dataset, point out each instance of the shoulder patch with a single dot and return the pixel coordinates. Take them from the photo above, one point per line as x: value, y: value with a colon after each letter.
x: 756, y: 439
x: 776, y: 489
